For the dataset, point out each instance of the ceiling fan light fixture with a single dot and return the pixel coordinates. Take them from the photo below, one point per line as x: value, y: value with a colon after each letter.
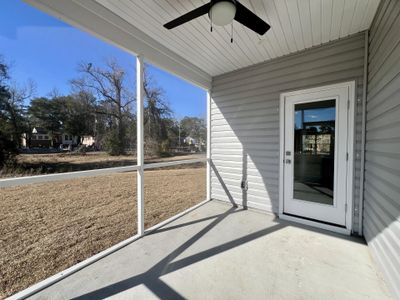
x: 222, y: 13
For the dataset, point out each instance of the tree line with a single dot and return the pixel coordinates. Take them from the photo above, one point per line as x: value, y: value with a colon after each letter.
x: 101, y: 104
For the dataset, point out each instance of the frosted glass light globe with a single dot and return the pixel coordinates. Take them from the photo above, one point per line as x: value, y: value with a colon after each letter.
x: 222, y: 13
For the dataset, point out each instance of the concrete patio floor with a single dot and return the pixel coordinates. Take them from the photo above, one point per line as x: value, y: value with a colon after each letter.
x: 220, y: 252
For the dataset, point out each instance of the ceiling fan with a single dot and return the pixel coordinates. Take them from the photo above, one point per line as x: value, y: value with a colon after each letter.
x: 221, y: 13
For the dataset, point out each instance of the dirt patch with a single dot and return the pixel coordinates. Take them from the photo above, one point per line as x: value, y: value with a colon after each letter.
x: 46, y: 228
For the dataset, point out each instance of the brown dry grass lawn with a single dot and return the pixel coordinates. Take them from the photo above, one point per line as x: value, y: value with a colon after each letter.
x: 46, y: 228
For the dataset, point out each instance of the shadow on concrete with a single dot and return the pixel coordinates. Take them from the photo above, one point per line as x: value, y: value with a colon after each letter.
x: 151, y: 278
x: 163, y: 229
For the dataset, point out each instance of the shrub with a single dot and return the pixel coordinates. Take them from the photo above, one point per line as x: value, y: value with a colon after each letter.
x: 113, y: 144
x: 151, y: 147
x: 8, y: 150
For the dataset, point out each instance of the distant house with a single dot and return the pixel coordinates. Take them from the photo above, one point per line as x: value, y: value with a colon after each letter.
x: 88, y: 140
x: 42, y: 138
x: 194, y: 144
x: 68, y: 139
x: 189, y: 141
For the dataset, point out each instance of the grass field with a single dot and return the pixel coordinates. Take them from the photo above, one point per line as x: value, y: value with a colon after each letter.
x: 46, y: 228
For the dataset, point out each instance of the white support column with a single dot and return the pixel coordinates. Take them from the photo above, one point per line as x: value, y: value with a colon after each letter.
x: 208, y: 179
x: 140, y: 143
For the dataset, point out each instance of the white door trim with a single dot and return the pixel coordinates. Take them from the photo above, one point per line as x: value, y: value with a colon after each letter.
x: 350, y: 150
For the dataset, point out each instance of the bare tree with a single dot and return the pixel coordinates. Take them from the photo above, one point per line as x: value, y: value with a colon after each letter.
x: 156, y: 114
x: 4, y: 76
x: 115, y: 94
x: 21, y: 93
x: 54, y: 93
x: 15, y: 106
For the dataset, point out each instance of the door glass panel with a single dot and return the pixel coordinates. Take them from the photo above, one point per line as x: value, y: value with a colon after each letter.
x: 314, y: 151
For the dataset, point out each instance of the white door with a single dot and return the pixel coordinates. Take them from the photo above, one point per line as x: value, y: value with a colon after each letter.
x: 317, y: 129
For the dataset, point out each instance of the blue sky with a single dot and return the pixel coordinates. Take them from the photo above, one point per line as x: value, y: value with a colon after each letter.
x: 315, y: 115
x: 44, y: 49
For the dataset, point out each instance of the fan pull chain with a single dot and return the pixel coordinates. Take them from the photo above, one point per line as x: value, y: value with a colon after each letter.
x: 232, y: 32
x: 211, y: 27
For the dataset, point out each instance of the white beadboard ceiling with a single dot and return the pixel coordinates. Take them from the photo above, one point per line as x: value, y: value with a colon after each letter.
x: 295, y: 25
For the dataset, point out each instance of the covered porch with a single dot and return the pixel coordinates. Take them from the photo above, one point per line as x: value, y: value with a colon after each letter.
x: 218, y: 251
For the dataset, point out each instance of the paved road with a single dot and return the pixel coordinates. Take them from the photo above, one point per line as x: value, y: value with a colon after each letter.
x: 9, y: 182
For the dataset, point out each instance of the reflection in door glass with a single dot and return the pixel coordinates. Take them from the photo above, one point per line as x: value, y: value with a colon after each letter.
x: 314, y: 151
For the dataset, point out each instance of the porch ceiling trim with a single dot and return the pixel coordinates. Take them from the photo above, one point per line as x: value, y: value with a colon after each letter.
x: 92, y: 17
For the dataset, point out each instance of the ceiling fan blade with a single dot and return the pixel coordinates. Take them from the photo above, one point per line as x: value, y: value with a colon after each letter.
x: 250, y: 20
x: 189, y: 16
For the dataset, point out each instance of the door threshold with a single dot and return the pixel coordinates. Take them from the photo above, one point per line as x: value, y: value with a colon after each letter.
x: 313, y: 223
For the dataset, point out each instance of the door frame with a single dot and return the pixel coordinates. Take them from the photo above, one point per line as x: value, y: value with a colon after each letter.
x: 350, y: 162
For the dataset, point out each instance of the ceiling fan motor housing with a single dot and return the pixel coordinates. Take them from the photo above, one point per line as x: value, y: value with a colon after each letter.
x: 222, y: 12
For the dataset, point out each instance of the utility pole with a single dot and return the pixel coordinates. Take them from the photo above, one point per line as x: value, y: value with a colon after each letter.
x: 179, y: 134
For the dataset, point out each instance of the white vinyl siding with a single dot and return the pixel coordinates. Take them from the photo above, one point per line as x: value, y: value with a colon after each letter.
x: 245, y: 118
x: 382, y: 157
